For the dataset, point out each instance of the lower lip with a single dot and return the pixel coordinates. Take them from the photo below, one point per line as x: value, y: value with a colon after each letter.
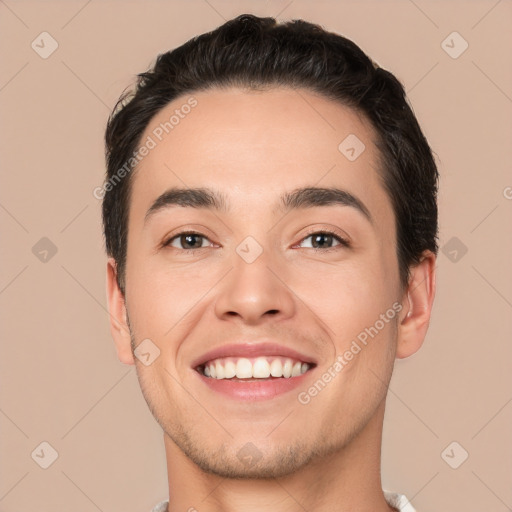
x: 256, y: 389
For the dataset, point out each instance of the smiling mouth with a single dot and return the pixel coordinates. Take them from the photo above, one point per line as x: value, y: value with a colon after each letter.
x: 243, y: 369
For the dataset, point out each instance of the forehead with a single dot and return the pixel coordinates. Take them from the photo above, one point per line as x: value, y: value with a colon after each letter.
x: 255, y: 145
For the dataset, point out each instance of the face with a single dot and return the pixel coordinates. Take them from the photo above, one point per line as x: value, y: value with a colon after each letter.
x: 313, y: 279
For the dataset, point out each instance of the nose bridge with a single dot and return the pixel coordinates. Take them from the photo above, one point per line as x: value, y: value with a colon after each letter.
x: 252, y: 289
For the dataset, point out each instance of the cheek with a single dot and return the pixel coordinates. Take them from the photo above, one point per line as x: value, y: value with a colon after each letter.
x: 160, y: 296
x: 350, y: 298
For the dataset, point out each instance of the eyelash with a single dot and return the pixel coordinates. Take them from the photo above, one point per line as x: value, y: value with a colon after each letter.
x: 343, y: 242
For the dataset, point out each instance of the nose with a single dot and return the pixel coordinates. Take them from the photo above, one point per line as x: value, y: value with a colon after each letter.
x: 254, y: 292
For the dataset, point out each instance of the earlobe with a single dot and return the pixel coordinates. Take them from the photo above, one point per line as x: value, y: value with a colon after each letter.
x: 417, y: 306
x: 118, y: 319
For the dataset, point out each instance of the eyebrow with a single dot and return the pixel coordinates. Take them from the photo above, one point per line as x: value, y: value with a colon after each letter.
x: 310, y: 197
x: 307, y: 197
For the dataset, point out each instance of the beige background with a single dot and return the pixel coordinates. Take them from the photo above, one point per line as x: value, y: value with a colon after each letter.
x: 60, y: 379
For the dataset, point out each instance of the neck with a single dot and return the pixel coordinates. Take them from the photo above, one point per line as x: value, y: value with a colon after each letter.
x: 344, y: 480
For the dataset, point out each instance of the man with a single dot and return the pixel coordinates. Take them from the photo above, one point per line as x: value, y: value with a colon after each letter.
x: 270, y: 219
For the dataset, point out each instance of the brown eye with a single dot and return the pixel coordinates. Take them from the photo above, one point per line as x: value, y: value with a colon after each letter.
x: 187, y: 241
x: 325, y: 240
x: 321, y: 240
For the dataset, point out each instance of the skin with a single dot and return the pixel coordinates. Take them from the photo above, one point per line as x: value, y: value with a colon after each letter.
x: 252, y: 147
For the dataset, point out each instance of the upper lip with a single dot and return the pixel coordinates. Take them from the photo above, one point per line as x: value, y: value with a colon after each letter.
x: 252, y: 350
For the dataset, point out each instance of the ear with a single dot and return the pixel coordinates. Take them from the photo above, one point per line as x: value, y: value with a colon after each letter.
x: 118, y: 318
x: 417, y: 306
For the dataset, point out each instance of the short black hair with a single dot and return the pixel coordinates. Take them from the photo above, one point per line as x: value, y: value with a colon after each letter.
x: 253, y: 53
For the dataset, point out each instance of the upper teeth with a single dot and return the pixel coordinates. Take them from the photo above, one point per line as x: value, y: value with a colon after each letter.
x: 258, y: 368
